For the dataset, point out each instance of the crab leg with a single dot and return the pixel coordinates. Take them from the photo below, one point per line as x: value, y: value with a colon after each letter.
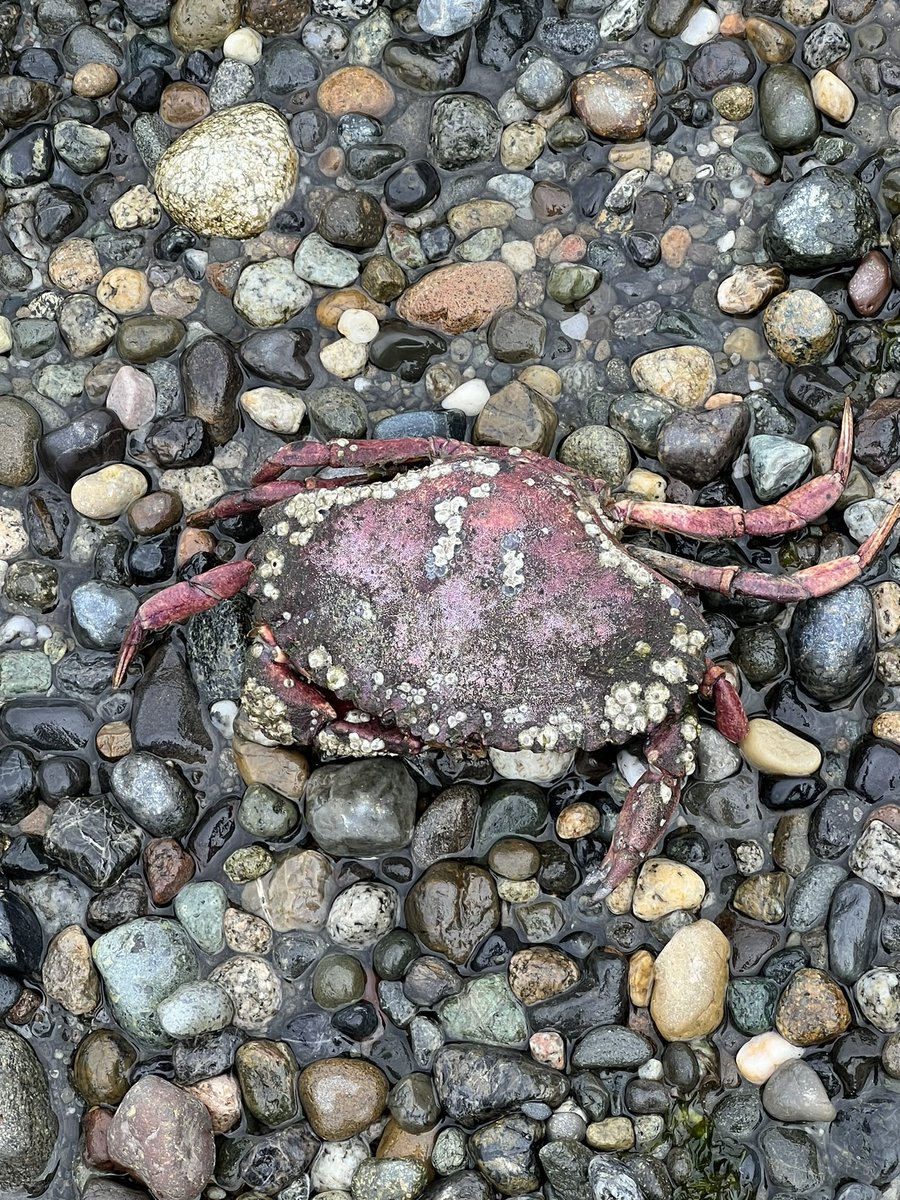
x: 791, y: 512
x: 819, y: 580
x: 178, y: 602
x: 731, y: 717
x: 308, y: 711
x: 387, y: 453
x: 647, y: 810
x: 251, y: 500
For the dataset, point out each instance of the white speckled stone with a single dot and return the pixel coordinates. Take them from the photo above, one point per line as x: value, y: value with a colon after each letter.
x: 228, y: 175
x: 535, y: 766
x: 274, y: 408
x: 244, y: 45
x: 362, y: 914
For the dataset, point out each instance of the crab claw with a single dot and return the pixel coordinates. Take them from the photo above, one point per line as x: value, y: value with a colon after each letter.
x: 647, y: 810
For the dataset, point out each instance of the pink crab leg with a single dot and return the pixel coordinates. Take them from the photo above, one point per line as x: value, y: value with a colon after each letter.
x: 647, y: 810
x: 252, y: 500
x: 793, y: 511
x: 819, y: 580
x: 309, y: 710
x: 390, y: 452
x: 731, y: 716
x: 178, y: 602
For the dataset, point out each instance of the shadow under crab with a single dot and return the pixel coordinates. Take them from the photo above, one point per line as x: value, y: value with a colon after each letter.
x: 477, y: 598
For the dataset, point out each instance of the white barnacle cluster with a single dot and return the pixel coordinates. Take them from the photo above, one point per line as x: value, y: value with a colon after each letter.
x: 512, y: 571
x: 515, y: 716
x: 626, y: 708
x: 336, y: 677
x: 266, y: 711
x: 480, y: 491
x: 448, y: 514
x: 318, y: 658
x: 269, y: 569
x: 351, y: 744
x: 672, y: 670
x: 684, y: 641
x: 414, y: 695
x: 690, y: 731
x: 547, y: 737
x: 456, y: 718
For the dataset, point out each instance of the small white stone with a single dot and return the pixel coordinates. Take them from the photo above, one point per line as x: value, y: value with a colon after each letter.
x: 105, y: 494
x: 518, y: 256
x: 223, y: 714
x: 343, y: 358
x: 244, y: 45
x: 534, y: 766
x: 269, y: 293
x: 274, y: 408
x: 362, y: 914
x: 358, y: 325
x: 701, y: 28
x: 631, y: 768
x: 5, y: 336
x: 335, y: 1163
x: 575, y: 327
x: 774, y: 750
x: 761, y: 1057
x: 469, y: 398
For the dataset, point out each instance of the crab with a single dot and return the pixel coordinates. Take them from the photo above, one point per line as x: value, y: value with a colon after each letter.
x: 429, y: 593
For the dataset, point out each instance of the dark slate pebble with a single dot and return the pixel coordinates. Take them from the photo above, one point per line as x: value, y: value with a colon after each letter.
x: 60, y: 776
x: 47, y: 724
x: 277, y: 355
x: 357, y: 1021
x: 719, y: 63
x: 212, y: 379
x: 412, y: 187
x: 463, y: 1185
x: 28, y: 158
x: 101, y: 614
x: 93, y: 439
x: 436, y: 65
x: 864, y: 1141
x: 792, y: 1160
x: 853, y: 924
x: 835, y: 820
x: 604, y: 1001
x: 179, y: 442
x: 790, y: 120
x: 825, y: 220
x: 877, y: 444
x: 21, y: 940
x: 166, y: 717
x: 18, y: 784
x: 508, y: 25
x: 90, y: 837
x: 216, y: 646
x: 421, y: 424
x: 405, y: 349
x: 832, y: 642
x: 123, y: 901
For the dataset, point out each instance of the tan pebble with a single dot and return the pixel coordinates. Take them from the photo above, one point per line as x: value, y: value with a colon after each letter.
x: 193, y: 541
x: 615, y: 103
x: 284, y: 770
x: 645, y: 484
x: 689, y: 981
x: 631, y: 156
x: 114, y: 740
x: 615, y: 1133
x: 674, y: 245
x: 545, y: 243
x: 640, y: 978
x: 761, y: 1056
x: 183, y: 104
x: 746, y: 344
x: 543, y: 380
x: 94, y: 80
x: 577, y: 821
x: 105, y: 494
x: 774, y: 750
x: 664, y: 887
x: 887, y: 610
x: 832, y: 97
x: 246, y: 933
x: 733, y: 25
x: 74, y: 265
x: 397, y: 1142
x: 332, y: 307
x: 357, y: 90
x: 221, y: 1096
x: 518, y: 891
x: 35, y: 824
x: 685, y: 374
x: 722, y: 400
x: 619, y: 900
x: 331, y: 161
x: 124, y: 291
x: 887, y: 725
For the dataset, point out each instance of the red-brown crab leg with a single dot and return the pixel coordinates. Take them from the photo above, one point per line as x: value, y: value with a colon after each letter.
x: 387, y: 453
x: 249, y: 501
x: 309, y: 710
x: 731, y: 716
x: 178, y: 602
x: 819, y: 580
x: 647, y: 810
x: 791, y: 512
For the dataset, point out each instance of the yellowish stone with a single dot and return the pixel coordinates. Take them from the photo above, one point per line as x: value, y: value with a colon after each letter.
x: 774, y: 750
x: 664, y: 887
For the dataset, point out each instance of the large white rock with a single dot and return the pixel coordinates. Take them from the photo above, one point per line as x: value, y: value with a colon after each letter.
x: 228, y: 175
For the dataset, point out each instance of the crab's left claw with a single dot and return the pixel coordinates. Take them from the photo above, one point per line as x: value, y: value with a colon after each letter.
x: 648, y: 808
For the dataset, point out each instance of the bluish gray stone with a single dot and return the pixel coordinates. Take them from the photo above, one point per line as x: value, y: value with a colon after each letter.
x: 154, y: 793
x: 832, y: 642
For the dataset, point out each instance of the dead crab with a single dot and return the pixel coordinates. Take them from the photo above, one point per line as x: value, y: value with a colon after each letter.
x: 440, y: 594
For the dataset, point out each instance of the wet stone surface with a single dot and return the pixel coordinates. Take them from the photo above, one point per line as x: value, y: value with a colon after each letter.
x: 652, y: 242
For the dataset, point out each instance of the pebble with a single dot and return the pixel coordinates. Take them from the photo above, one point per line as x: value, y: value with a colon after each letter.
x: 460, y: 297
x: 832, y: 642
x: 270, y: 293
x: 164, y: 1138
x: 366, y: 807
x: 210, y: 177
x: 615, y: 103
x: 812, y: 1010
x: 806, y: 233
x: 832, y: 97
x: 68, y: 972
x: 800, y: 327
x: 760, y: 1057
x: 341, y: 1097
x: 689, y: 980
x: 29, y: 1129
x: 663, y: 887
x: 105, y: 494
x: 254, y: 988
x: 195, y: 1008
x: 362, y: 914
x: 878, y: 996
x: 774, y: 750
x: 684, y: 374
x: 275, y: 409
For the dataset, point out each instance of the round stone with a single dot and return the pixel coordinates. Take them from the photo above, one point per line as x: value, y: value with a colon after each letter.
x: 105, y: 494
x: 615, y: 103
x: 800, y: 327
x: 230, y: 174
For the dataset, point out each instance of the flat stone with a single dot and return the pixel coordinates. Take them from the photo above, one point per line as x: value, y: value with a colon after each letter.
x: 690, y: 977
x: 460, y: 297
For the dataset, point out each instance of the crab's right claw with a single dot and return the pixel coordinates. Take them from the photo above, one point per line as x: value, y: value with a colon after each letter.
x: 648, y: 808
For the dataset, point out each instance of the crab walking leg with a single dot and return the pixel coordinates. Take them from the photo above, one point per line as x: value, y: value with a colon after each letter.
x: 648, y: 807
x: 820, y: 580
x: 394, y: 452
x: 731, y: 717
x: 271, y: 682
x: 178, y: 602
x: 253, y: 500
x: 795, y: 510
